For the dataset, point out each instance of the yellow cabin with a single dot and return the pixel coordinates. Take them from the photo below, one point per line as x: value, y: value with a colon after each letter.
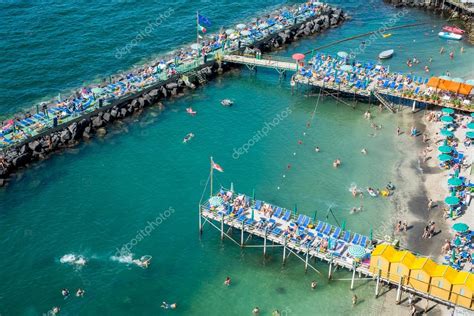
x: 380, y: 260
x: 442, y: 280
x: 420, y: 274
x: 401, y: 263
x: 463, y: 290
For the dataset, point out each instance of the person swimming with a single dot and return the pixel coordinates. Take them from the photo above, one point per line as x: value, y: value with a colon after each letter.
x: 65, y: 293
x: 364, y: 151
x: 227, y: 281
x: 188, y: 137
x: 256, y: 310
x: 143, y: 262
x: 390, y: 186
x: 317, y: 149
x: 168, y: 306
x: 80, y: 292
x: 336, y: 163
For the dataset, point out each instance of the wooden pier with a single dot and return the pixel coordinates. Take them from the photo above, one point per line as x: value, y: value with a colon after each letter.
x: 256, y: 229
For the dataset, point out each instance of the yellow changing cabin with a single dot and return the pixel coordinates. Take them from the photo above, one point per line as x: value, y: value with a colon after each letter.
x: 463, y: 290
x: 380, y: 260
x: 442, y: 279
x: 401, y: 263
x: 420, y: 274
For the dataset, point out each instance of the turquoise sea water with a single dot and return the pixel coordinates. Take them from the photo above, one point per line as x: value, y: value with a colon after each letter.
x: 97, y: 197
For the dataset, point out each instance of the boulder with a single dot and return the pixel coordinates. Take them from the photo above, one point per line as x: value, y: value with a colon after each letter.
x: 107, y: 117
x: 101, y: 132
x: 35, y: 145
x: 141, y: 102
x: 113, y: 113
x: 65, y: 136
x: 171, y: 85
x: 174, y: 92
x: 21, y: 160
x: 73, y: 130
x: 154, y: 92
x: 97, y: 122
x: 164, y: 91
x: 123, y: 112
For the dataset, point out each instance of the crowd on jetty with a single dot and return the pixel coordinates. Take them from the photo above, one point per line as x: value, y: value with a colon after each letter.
x: 341, y: 73
x: 87, y: 99
x: 299, y: 230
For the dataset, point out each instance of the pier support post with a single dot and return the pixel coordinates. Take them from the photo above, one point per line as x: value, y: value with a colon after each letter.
x: 242, y: 235
x: 200, y: 221
x: 353, y: 276
x: 414, y: 106
x: 306, y: 261
x: 330, y: 270
x: 399, y: 291
x: 265, y: 244
x: 222, y: 227
x: 377, y: 285
x: 284, y: 250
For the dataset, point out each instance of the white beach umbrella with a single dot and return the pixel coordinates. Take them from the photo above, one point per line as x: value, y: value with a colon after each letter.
x: 229, y: 31
x: 196, y: 46
x: 245, y: 33
x: 241, y: 26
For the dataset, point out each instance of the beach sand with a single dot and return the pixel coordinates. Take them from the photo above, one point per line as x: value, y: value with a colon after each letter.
x: 417, y: 180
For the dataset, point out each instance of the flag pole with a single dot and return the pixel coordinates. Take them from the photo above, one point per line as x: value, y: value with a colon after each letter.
x: 197, y: 28
x: 211, y: 175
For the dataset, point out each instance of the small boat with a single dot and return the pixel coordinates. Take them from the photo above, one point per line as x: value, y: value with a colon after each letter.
x: 386, y: 54
x: 190, y: 111
x: 386, y: 35
x: 188, y: 137
x: 453, y: 29
x: 451, y: 36
x: 227, y: 102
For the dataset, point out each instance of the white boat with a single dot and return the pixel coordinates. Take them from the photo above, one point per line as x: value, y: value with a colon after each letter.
x: 386, y: 54
x: 227, y: 102
x: 451, y: 36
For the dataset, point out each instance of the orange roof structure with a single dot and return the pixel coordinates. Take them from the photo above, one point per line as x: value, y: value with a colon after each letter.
x: 448, y: 85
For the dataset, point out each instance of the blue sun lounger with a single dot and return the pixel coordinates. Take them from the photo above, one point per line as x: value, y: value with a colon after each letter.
x: 278, y: 212
x: 327, y: 229
x: 258, y: 205
x: 287, y: 216
x: 276, y: 231
x: 347, y: 236
x: 300, y: 219
x: 320, y: 226
x: 392, y: 85
x: 356, y: 239
x: 417, y: 90
x: 306, y: 221
x: 363, y: 241
x: 336, y: 233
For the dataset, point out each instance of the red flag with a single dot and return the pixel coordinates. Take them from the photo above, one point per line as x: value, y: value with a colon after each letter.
x: 217, y: 167
x: 202, y: 28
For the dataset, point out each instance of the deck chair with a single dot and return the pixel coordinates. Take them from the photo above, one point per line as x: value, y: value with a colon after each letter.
x: 306, y: 221
x: 299, y: 220
x: 363, y: 241
x: 336, y: 233
x: 277, y: 213
x: 327, y: 229
x: 356, y: 239
x: 347, y: 236
x: 320, y: 226
x: 258, y: 205
x: 287, y: 216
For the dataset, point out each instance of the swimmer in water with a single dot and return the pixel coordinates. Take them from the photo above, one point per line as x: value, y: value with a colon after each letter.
x: 256, y: 310
x: 441, y: 50
x: 227, y: 281
x: 80, y: 292
x: 314, y: 284
x: 462, y: 49
x: 316, y: 149
x: 336, y: 163
x: 364, y: 151
x: 65, y: 293
x: 144, y: 263
x: 168, y: 306
x: 55, y: 310
x: 451, y: 55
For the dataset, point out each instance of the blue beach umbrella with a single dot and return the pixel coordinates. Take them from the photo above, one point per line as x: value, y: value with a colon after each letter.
x: 444, y: 157
x: 451, y: 200
x: 447, y: 111
x: 455, y: 182
x: 446, y: 133
x: 470, y: 125
x: 357, y: 251
x: 460, y: 227
x: 445, y: 149
x: 470, y: 81
x: 447, y: 119
x: 470, y: 134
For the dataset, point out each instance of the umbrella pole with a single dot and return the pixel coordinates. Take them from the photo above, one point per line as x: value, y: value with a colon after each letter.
x: 353, y: 277
x: 222, y: 227
x: 265, y: 244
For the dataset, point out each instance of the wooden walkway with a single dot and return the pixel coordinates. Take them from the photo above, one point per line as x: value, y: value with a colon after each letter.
x: 251, y: 62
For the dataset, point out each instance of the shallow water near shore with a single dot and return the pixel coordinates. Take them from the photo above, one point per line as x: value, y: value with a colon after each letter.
x: 93, y: 199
